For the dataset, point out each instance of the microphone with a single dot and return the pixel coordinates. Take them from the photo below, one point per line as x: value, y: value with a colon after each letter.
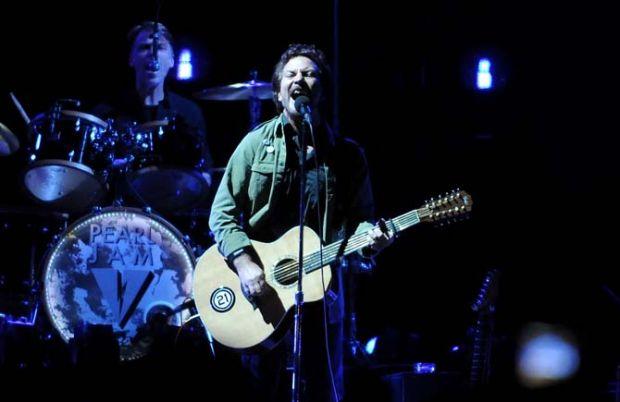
x: 302, y: 105
x: 154, y: 63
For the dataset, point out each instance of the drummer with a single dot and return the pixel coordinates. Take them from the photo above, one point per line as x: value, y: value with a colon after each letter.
x: 150, y: 100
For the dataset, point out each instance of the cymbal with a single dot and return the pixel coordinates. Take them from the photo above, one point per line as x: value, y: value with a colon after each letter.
x: 8, y: 141
x: 240, y: 91
x: 42, y: 117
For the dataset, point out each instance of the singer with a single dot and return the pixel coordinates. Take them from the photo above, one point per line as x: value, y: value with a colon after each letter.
x: 258, y: 199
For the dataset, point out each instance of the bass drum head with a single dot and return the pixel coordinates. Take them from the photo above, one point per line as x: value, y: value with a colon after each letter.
x: 118, y: 267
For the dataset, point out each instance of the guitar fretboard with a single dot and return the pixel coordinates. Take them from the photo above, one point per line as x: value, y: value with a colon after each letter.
x: 358, y: 241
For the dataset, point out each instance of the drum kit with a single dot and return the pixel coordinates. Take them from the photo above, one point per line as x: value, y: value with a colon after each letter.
x: 113, y: 263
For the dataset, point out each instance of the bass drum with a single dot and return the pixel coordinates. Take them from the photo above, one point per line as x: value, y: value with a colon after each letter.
x: 119, y: 267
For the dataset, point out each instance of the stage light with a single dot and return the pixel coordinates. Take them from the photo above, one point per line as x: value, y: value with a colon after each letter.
x: 424, y: 368
x: 371, y: 345
x: 184, y: 65
x: 484, y: 77
x: 547, y: 355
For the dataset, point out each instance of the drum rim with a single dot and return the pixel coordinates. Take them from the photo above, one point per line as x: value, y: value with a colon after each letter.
x: 62, y: 162
x: 10, y: 139
x: 131, y: 176
x: 90, y: 117
x: 70, y: 113
x: 156, y: 167
x: 63, y: 234
x: 151, y: 124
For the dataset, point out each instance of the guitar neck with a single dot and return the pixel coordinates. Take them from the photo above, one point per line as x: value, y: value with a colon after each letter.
x: 338, y: 249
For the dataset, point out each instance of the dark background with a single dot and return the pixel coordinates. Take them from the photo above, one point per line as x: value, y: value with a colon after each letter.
x: 537, y: 153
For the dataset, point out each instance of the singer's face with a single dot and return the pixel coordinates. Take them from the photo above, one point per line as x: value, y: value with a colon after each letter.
x: 141, y: 57
x: 300, y: 76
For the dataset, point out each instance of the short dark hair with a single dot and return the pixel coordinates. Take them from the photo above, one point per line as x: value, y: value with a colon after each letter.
x: 148, y: 26
x: 307, y: 50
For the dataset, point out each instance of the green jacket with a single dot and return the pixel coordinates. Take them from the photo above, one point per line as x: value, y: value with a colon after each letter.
x: 246, y: 194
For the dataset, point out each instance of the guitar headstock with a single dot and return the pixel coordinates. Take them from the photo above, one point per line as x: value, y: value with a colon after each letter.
x: 455, y: 204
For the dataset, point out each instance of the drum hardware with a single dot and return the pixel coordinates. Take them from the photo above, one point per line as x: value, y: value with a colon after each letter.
x: 66, y: 162
x: 165, y: 172
x: 24, y: 212
x: 19, y: 282
x: 254, y: 102
x: 9, y: 143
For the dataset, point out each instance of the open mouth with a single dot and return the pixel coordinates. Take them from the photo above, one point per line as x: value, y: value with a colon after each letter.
x: 297, y: 92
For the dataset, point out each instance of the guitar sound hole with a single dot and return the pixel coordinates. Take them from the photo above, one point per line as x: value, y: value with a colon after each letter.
x: 285, y: 271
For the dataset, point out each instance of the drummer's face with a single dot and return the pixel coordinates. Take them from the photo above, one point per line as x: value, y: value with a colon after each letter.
x: 141, y: 56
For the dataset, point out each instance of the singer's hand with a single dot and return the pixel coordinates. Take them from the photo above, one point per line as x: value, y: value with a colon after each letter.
x: 251, y: 276
x: 379, y: 239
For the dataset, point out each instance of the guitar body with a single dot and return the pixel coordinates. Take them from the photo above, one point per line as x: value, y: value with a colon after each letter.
x: 235, y: 321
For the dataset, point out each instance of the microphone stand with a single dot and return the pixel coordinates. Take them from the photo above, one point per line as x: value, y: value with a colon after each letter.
x: 154, y: 64
x: 299, y: 296
x: 254, y: 101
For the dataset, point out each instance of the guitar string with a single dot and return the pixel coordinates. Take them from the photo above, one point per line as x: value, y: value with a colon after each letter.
x: 288, y: 271
x: 354, y: 242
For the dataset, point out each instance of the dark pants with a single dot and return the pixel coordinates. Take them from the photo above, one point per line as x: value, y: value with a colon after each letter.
x: 271, y: 373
